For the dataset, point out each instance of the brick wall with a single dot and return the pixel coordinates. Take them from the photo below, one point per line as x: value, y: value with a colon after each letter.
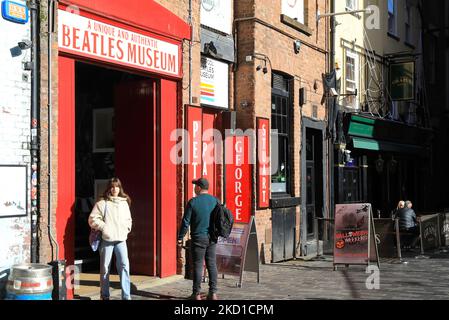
x: 15, y: 90
x: 269, y: 37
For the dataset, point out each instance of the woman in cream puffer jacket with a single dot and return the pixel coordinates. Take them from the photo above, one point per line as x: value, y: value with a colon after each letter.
x: 112, y: 216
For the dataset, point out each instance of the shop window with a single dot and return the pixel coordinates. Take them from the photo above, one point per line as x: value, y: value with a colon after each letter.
x: 392, y: 17
x: 280, y: 121
x: 352, y: 78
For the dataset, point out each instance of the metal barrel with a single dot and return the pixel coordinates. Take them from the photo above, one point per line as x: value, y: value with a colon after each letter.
x: 30, y: 281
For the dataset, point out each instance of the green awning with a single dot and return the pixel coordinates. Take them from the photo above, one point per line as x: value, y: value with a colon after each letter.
x: 378, y: 145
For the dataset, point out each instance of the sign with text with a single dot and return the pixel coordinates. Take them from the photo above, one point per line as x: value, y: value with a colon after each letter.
x: 402, y: 81
x: 239, y: 252
x: 194, y: 127
x: 263, y: 163
x: 15, y: 12
x: 214, y: 83
x: 444, y: 227
x: 217, y: 14
x: 354, y: 234
x: 92, y: 38
x: 385, y: 238
x: 430, y: 231
x: 238, y: 178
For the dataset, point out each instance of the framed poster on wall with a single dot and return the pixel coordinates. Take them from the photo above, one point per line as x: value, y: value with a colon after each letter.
x: 13, y: 190
x: 103, y: 130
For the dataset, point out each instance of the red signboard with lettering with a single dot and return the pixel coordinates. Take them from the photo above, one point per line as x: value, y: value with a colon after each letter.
x: 263, y: 163
x: 194, y: 163
x: 238, y: 178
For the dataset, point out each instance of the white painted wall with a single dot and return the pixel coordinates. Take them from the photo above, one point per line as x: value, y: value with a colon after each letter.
x: 15, y: 102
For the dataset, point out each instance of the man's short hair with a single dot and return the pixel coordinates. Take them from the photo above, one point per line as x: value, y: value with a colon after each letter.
x: 408, y: 204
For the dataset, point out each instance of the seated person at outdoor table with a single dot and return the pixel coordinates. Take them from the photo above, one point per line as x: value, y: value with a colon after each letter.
x: 401, y: 205
x: 407, y: 221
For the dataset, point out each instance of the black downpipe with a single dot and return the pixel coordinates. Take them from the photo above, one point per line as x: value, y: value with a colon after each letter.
x: 330, y: 143
x: 34, y: 147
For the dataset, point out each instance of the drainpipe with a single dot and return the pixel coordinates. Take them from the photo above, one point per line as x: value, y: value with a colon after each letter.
x: 190, y: 51
x: 330, y: 144
x: 51, y: 20
x: 34, y: 147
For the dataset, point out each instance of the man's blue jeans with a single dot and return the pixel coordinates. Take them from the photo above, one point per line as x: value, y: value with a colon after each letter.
x: 120, y: 250
x: 204, y: 248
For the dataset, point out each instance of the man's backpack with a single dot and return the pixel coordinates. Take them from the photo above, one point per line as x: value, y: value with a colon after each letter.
x: 221, y: 222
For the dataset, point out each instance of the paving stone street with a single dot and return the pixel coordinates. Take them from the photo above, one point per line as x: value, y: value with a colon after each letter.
x: 423, y: 278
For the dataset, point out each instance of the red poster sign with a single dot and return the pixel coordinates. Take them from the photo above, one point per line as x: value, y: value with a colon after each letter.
x: 238, y: 178
x: 263, y: 163
x: 194, y: 128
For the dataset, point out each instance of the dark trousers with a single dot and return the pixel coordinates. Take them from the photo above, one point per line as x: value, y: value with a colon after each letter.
x: 204, y: 248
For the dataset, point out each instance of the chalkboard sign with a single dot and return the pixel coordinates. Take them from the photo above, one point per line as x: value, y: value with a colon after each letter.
x: 430, y: 231
x: 444, y: 229
x: 354, y: 240
x: 239, y: 252
x: 385, y: 238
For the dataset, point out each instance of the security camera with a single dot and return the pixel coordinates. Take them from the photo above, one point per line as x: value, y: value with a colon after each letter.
x: 265, y: 70
x: 297, y: 46
x: 25, y: 44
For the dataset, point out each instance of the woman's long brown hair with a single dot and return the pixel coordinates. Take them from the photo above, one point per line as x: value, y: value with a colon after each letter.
x: 115, y: 182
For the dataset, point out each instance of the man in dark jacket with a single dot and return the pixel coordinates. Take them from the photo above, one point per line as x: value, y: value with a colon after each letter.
x: 407, y: 220
x: 197, y: 216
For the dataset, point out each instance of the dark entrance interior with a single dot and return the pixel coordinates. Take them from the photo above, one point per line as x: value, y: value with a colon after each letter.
x: 314, y: 182
x: 115, y: 125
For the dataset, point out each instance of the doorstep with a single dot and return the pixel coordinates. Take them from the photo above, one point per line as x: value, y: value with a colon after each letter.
x: 89, y: 284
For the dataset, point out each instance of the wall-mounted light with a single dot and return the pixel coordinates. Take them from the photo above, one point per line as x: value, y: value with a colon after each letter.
x: 379, y: 164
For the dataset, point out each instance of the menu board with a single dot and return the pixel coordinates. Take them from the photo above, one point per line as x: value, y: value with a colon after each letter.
x: 239, y: 252
x: 354, y: 234
x: 385, y: 238
x: 430, y: 233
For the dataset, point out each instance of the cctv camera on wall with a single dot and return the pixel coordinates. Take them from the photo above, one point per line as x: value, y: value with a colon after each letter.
x: 297, y: 46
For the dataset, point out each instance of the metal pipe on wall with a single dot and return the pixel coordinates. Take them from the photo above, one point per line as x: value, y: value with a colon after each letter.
x: 51, y: 20
x: 34, y: 146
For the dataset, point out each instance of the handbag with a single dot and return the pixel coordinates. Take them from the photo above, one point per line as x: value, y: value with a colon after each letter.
x: 95, y: 235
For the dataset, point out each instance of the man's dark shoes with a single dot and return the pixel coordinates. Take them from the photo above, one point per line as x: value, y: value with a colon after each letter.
x: 212, y: 296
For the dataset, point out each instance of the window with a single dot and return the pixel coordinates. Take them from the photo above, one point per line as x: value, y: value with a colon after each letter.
x: 392, y: 16
x: 280, y: 121
x: 294, y: 9
x: 351, y: 5
x: 408, y: 23
x: 352, y: 78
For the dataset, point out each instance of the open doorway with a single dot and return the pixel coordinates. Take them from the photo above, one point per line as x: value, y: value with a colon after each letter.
x: 114, y: 136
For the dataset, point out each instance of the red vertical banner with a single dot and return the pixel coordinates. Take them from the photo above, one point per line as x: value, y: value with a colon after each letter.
x: 263, y: 163
x: 194, y: 149
x: 208, y: 151
x: 238, y: 178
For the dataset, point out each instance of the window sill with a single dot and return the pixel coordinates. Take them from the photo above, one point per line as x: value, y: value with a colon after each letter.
x: 296, y: 25
x: 395, y: 37
x: 284, y: 201
x: 408, y: 44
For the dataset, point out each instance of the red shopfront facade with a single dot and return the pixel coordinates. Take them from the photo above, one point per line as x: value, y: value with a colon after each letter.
x: 140, y: 37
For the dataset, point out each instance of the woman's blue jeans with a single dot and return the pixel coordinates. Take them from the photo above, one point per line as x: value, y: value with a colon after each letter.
x: 120, y: 250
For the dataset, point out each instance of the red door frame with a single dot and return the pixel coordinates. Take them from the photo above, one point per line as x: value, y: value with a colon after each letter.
x: 167, y: 25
